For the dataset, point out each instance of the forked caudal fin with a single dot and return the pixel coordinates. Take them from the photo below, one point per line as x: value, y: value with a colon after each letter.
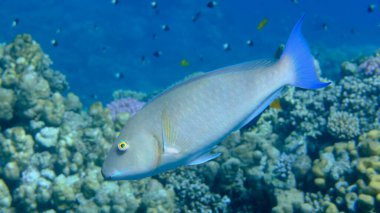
x: 297, y: 53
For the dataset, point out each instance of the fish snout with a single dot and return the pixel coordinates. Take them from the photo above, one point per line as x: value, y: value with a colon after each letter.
x: 107, y: 175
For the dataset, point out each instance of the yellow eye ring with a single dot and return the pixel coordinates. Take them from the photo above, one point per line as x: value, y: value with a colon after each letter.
x: 122, y: 146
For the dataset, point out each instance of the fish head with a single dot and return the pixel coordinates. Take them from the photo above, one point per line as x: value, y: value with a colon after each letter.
x: 132, y: 156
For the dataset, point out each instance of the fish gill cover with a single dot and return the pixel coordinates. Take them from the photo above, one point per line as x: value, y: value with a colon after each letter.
x: 317, y: 151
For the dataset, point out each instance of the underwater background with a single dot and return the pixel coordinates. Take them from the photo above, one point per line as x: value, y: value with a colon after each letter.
x: 73, y: 72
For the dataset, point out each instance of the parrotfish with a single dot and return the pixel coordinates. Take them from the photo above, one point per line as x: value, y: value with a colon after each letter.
x: 185, y: 123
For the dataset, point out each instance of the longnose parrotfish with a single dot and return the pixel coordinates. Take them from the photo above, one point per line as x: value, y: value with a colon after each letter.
x: 182, y: 125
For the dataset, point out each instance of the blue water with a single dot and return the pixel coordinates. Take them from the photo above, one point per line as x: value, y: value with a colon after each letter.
x: 98, y: 39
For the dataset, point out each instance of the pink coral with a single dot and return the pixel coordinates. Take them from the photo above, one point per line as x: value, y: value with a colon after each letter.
x: 371, y: 66
x: 129, y: 105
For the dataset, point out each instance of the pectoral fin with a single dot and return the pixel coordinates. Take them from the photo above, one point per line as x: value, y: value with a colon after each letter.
x: 204, y: 158
x: 168, y: 135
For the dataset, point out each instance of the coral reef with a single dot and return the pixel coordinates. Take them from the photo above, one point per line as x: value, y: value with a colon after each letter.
x: 120, y: 94
x: 371, y: 66
x: 342, y: 125
x: 52, y: 150
x: 124, y: 105
x: 192, y: 194
x: 348, y: 174
x: 275, y: 161
x: 317, y: 151
x: 5, y: 198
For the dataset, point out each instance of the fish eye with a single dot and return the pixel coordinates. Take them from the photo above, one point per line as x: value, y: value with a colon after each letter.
x: 122, y: 146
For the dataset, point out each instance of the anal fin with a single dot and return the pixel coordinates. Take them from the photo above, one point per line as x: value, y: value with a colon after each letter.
x: 203, y: 158
x: 261, y: 108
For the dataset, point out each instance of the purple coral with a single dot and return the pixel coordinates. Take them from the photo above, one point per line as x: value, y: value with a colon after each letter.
x: 371, y: 66
x: 129, y: 105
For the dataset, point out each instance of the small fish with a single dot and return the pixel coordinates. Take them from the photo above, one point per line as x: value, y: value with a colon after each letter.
x: 279, y: 51
x: 211, y: 4
x: 371, y: 8
x: 184, y: 63
x: 153, y: 4
x: 103, y: 49
x: 94, y: 96
x: 196, y: 16
x: 54, y: 42
x: 226, y: 47
x: 115, y: 2
x: 119, y: 75
x: 249, y: 43
x: 58, y: 30
x: 165, y: 27
x: 325, y: 27
x: 262, y: 24
x: 15, y: 22
x: 157, y: 53
x: 276, y: 104
x: 183, y: 125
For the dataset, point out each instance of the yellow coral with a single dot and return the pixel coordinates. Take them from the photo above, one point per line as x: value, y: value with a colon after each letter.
x: 378, y: 198
x: 320, y: 182
x: 365, y: 202
x: 374, y: 185
x: 317, y: 167
x: 365, y: 163
x: 374, y: 134
x: 351, y: 145
x: 340, y: 147
x: 331, y: 208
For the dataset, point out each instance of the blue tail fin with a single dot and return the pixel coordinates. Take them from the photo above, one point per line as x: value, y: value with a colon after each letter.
x: 297, y: 51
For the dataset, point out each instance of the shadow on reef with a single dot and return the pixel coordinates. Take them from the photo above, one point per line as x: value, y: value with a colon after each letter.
x: 315, y: 151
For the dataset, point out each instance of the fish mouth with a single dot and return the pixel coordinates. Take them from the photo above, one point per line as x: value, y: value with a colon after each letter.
x: 107, y: 176
x: 117, y: 175
x: 113, y: 175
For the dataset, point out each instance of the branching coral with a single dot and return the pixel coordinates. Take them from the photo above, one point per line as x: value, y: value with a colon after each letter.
x: 192, y: 195
x: 343, y: 125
